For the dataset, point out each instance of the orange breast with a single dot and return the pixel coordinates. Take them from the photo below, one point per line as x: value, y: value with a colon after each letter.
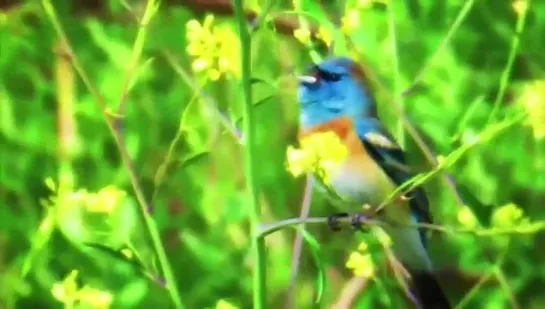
x: 344, y: 129
x: 359, y: 178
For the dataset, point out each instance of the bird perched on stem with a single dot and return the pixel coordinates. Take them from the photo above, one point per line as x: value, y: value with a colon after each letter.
x: 335, y: 97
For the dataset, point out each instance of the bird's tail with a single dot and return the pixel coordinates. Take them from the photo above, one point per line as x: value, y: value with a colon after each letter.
x: 428, y: 291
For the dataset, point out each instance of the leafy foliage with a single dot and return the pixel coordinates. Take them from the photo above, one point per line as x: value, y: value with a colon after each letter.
x: 170, y: 227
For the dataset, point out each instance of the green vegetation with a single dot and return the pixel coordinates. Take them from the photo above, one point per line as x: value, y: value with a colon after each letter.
x: 147, y: 151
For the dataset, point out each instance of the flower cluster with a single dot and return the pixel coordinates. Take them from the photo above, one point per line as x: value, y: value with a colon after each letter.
x: 349, y: 22
x: 320, y: 153
x: 520, y: 6
x: 466, y: 217
x: 361, y: 262
x: 104, y: 201
x: 69, y: 293
x: 507, y: 216
x: 215, y: 49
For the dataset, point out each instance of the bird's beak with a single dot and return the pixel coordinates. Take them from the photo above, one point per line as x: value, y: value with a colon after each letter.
x: 307, y: 79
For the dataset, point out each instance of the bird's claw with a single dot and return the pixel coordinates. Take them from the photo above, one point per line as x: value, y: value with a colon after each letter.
x: 357, y: 221
x: 333, y: 221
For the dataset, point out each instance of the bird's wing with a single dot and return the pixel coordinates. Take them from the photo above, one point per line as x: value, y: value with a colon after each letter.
x: 383, y: 148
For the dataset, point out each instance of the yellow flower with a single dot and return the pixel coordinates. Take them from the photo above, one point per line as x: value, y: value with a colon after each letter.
x: 105, y: 200
x: 66, y: 291
x: 215, y: 49
x: 69, y: 294
x: 298, y: 161
x: 320, y: 153
x: 95, y: 298
x: 302, y: 35
x: 466, y: 217
x: 228, y: 54
x: 200, y: 64
x: 533, y: 101
x: 363, y: 246
x: 361, y: 264
x: 520, y: 6
x: 350, y: 21
x: 326, y: 35
x: 507, y: 216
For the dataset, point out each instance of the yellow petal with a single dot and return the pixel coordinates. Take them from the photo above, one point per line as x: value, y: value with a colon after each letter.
x: 208, y: 20
x: 193, y: 26
x: 59, y: 292
x: 351, y: 20
x: 520, y: 6
x: 353, y: 260
x: 302, y: 34
x: 326, y: 35
x: 363, y: 246
x: 507, y: 215
x: 223, y: 64
x: 214, y: 74
x: 466, y: 217
x: 195, y: 49
x: 200, y: 64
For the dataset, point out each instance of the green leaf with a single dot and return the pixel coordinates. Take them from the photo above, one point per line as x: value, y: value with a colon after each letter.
x: 144, y: 70
x: 118, y: 255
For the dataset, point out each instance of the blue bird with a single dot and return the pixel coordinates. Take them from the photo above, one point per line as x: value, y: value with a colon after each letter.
x: 336, y: 96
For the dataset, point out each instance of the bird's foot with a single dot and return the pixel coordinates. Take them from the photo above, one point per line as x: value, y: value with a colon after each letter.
x: 333, y: 221
x: 358, y: 222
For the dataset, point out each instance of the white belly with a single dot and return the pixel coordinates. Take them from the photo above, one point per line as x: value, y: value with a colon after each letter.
x: 362, y: 181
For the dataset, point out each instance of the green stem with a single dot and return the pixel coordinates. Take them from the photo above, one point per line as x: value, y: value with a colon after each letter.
x: 397, y: 78
x: 521, y: 21
x: 464, y: 12
x: 258, y: 242
x: 138, y: 47
x: 144, y: 205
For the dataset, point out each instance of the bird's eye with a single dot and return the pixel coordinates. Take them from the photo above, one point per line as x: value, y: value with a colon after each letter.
x: 330, y: 77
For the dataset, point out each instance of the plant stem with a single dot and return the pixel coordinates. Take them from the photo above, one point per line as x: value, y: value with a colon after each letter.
x: 521, y: 229
x: 144, y: 205
x: 506, y: 74
x: 298, y: 244
x: 397, y: 75
x: 258, y: 242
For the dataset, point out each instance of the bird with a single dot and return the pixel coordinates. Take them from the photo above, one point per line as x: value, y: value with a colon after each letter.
x: 336, y: 96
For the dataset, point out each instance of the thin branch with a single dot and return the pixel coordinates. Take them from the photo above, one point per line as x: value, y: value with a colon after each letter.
x: 521, y: 229
x: 350, y: 292
x: 298, y: 244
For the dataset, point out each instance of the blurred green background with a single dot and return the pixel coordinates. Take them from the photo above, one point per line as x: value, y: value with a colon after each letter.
x: 72, y: 232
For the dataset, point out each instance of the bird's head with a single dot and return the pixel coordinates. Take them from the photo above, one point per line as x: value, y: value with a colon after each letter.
x: 332, y: 89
